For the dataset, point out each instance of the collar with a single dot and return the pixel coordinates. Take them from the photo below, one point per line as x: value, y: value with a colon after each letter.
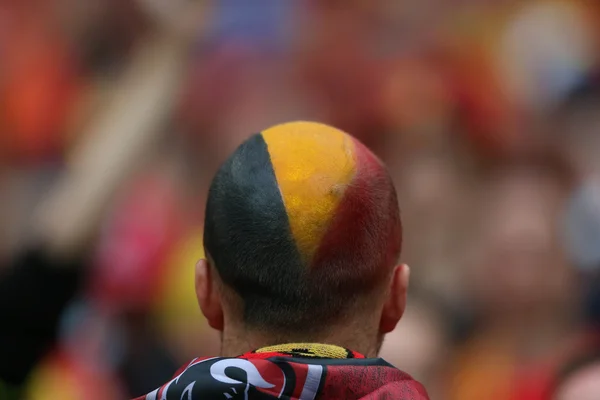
x: 311, y: 350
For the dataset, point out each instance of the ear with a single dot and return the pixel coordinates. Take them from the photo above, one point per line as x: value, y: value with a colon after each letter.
x: 209, y: 298
x: 395, y: 304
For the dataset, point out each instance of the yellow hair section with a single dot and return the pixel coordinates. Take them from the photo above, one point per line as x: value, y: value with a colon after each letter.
x: 313, y: 164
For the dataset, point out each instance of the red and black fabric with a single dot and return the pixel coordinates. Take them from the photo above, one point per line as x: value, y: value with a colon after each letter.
x: 301, y: 375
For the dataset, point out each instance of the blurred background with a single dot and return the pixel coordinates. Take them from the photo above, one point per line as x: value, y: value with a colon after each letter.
x: 114, y: 114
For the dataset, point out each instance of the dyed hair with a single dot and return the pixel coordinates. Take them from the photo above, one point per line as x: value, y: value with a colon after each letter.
x: 302, y: 222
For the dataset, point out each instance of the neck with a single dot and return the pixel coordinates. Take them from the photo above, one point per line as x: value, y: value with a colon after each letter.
x: 239, y: 341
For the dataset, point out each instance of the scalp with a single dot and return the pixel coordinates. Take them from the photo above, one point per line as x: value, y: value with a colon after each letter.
x: 301, y: 213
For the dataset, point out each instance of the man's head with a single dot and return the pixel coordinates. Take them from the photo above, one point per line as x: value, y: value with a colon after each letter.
x: 302, y: 234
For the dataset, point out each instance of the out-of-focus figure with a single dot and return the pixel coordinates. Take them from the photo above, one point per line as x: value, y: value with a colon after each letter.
x: 519, y: 281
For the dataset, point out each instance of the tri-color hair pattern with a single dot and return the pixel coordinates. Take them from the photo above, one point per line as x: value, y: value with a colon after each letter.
x: 301, y: 216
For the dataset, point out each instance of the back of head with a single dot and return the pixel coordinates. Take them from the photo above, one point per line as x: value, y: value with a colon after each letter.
x: 302, y: 223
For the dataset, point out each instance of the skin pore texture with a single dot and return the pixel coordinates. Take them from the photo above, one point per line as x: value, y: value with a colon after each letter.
x: 302, y: 237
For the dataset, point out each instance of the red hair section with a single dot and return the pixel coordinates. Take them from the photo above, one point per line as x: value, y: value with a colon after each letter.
x: 364, y: 238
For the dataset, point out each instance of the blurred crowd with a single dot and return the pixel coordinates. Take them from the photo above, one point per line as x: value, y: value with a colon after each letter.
x: 485, y: 111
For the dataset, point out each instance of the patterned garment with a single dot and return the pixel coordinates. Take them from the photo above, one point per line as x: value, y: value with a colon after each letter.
x: 302, y: 371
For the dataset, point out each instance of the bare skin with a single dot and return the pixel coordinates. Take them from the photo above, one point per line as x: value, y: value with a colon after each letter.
x: 362, y: 331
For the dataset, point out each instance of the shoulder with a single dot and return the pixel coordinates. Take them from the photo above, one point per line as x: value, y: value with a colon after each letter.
x: 286, y: 377
x: 182, y: 375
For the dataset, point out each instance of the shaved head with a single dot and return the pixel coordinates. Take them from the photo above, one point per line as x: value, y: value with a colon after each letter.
x: 302, y: 223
